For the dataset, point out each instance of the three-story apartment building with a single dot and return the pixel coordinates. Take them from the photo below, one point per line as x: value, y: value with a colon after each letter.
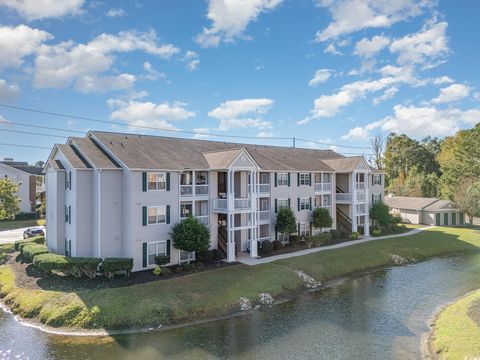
x: 113, y: 194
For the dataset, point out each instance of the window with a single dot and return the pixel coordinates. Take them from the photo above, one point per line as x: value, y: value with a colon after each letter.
x: 377, y: 198
x: 156, y: 249
x: 304, y: 229
x: 186, y: 210
x: 282, y: 179
x: 327, y: 178
x: 326, y: 201
x: 68, y: 247
x: 377, y: 179
x: 264, y: 178
x: 304, y: 204
x: 186, y: 256
x: 157, y: 215
x: 305, y: 179
x: 282, y: 203
x: 157, y: 181
x: 68, y: 214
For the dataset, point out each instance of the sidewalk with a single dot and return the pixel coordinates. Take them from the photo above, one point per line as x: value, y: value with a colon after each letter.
x: 247, y: 260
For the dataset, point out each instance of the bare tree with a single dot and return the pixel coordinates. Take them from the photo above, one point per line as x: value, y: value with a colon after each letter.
x: 377, y: 147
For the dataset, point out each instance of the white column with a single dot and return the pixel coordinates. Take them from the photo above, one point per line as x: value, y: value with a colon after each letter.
x: 354, y: 202
x: 231, y: 239
x: 367, y: 215
x: 253, y: 240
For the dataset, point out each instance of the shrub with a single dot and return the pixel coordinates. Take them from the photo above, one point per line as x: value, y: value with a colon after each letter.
x: 157, y: 271
x: 294, y: 239
x: 79, y: 266
x: 285, y: 223
x: 29, y: 251
x: 324, y: 239
x: 205, y: 256
x: 166, y: 271
x: 26, y: 216
x: 69, y: 266
x: 199, y: 265
x: 354, y: 235
x: 117, y: 265
x: 376, y: 232
x: 321, y: 218
x: 335, y: 234
x: 190, y: 235
x: 47, y: 263
x: 189, y: 267
x: 277, y: 244
x: 217, y: 255
x: 310, y: 242
x: 37, y: 240
x: 162, y: 260
x: 266, y: 247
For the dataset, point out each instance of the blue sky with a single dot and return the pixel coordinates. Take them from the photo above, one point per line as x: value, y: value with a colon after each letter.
x: 335, y: 72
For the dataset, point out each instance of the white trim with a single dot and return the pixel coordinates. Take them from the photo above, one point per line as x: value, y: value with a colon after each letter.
x: 156, y: 254
x: 156, y: 207
x: 157, y: 182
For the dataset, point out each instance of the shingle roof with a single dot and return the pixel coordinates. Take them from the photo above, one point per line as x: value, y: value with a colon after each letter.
x: 55, y: 164
x: 156, y: 152
x: 221, y: 159
x: 72, y: 156
x: 24, y: 166
x: 93, y: 153
x: 440, y: 204
x: 344, y: 164
x: 409, y: 203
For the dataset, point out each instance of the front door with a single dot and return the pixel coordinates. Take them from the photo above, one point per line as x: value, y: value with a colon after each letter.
x: 437, y: 219
x: 445, y: 219
x: 462, y: 218
x: 454, y: 219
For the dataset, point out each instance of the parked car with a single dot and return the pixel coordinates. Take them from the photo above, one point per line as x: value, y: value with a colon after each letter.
x: 32, y: 232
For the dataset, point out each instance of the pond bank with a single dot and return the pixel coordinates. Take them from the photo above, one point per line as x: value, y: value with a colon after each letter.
x: 217, y: 293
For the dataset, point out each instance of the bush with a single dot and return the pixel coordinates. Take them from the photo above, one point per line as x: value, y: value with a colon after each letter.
x: 69, y: 266
x: 267, y: 247
x: 310, y: 242
x: 190, y: 235
x: 294, y: 239
x: 47, y: 263
x: 354, y: 235
x: 321, y: 218
x: 157, y: 271
x: 376, y: 232
x: 162, y: 260
x: 29, y: 251
x: 189, y: 267
x: 37, y: 240
x: 199, y: 265
x: 324, y: 239
x: 117, y: 265
x: 217, y: 255
x: 277, y: 244
x: 26, y: 216
x: 335, y: 234
x: 285, y: 222
x: 205, y: 256
x: 166, y: 271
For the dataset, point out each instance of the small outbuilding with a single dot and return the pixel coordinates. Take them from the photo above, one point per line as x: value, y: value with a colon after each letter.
x: 426, y: 211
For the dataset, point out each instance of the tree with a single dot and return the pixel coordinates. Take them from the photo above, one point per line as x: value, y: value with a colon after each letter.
x: 9, y: 201
x: 380, y: 213
x: 286, y: 223
x: 190, y: 235
x: 377, y: 147
x: 40, y: 163
x: 321, y: 218
x: 467, y: 198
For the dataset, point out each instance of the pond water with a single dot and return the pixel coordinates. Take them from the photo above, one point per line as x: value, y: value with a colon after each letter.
x: 380, y: 315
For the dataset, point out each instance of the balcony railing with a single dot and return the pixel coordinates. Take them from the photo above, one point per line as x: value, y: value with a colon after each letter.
x: 186, y: 190
x: 361, y: 209
x: 264, y: 216
x: 343, y: 198
x: 323, y: 187
x: 242, y: 203
x: 201, y: 189
x: 263, y: 188
x: 360, y: 186
x: 236, y: 203
x: 203, y: 219
x: 361, y: 197
x: 220, y: 204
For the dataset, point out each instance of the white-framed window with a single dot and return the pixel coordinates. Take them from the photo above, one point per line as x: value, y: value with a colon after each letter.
x: 186, y: 256
x: 304, y: 229
x: 377, y: 198
x: 186, y: 209
x: 282, y: 203
x: 154, y: 249
x: 304, y: 204
x: 305, y: 179
x: 156, y: 215
x: 282, y: 179
x: 377, y: 179
x: 157, y: 181
x: 326, y: 200
x: 265, y: 178
x: 327, y: 178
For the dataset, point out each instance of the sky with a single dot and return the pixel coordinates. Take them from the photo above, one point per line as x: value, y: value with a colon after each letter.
x: 335, y: 73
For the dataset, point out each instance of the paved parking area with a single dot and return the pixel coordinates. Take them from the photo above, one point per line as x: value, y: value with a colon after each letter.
x: 9, y: 236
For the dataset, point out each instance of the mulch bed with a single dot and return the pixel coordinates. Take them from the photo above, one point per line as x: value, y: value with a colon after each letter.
x: 28, y: 277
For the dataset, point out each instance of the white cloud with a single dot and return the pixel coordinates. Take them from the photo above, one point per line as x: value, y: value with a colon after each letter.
x: 192, y: 60
x: 152, y: 74
x: 388, y: 94
x: 451, y: 93
x: 89, y: 84
x: 367, y: 48
x: 331, y: 49
x: 418, y: 122
x: 230, y: 19
x: 442, y: 80
x: 116, y: 12
x: 18, y: 42
x: 354, y: 15
x: 321, y: 75
x: 8, y: 92
x: 422, y: 47
x: 42, y: 9
x: 242, y: 113
x: 149, y: 114
x: 67, y: 63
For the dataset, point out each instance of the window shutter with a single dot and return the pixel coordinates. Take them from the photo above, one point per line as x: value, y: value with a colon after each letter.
x: 310, y: 179
x: 144, y: 181
x: 373, y: 200
x: 289, y: 203
x: 66, y: 214
x: 167, y: 185
x: 373, y: 177
x: 298, y: 179
x: 298, y: 229
x: 311, y: 233
x: 288, y: 179
x: 69, y: 180
x: 168, y: 214
x: 144, y: 216
x: 298, y: 204
x: 168, y: 248
x: 144, y: 254
x: 276, y: 179
x: 276, y: 235
x: 69, y: 214
x: 310, y: 203
x: 276, y: 208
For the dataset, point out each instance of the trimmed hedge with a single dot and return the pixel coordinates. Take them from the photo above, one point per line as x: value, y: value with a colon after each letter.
x: 27, y: 216
x: 322, y: 239
x: 48, y: 263
x: 74, y: 266
x: 37, y: 240
x: 29, y: 251
x: 111, y: 266
x: 266, y: 247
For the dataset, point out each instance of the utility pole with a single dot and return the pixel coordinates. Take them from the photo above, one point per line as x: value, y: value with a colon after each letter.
x: 294, y: 143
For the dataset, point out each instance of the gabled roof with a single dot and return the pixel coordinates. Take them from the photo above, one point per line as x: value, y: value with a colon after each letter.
x: 93, y: 154
x: 417, y: 203
x: 345, y: 164
x: 222, y: 159
x: 440, y: 205
x: 73, y: 157
x: 24, y: 166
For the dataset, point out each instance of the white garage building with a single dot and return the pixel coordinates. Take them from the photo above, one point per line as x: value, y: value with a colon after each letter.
x: 427, y: 211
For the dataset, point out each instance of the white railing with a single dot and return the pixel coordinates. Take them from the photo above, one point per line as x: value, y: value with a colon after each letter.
x: 201, y: 189
x: 361, y: 209
x: 323, y: 187
x: 318, y: 186
x: 264, y: 215
x: 343, y: 197
x: 242, y: 203
x: 263, y: 188
x: 360, y: 186
x: 263, y: 238
x: 220, y: 204
x: 203, y: 219
x: 186, y: 190
x: 361, y: 197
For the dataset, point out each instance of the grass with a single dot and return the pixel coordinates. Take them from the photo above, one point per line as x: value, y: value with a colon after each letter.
x: 456, y: 333
x: 4, y: 251
x: 12, y: 224
x: 217, y: 292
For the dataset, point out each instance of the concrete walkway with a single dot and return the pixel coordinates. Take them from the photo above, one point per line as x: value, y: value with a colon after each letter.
x: 247, y: 260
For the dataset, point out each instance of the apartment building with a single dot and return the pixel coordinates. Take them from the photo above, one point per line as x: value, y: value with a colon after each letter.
x: 114, y: 194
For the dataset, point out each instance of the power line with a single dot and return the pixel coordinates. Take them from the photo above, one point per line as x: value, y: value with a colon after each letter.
x: 26, y: 146
x: 31, y: 133
x: 330, y: 144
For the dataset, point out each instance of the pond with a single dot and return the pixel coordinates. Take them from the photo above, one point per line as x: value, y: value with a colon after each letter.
x: 380, y: 315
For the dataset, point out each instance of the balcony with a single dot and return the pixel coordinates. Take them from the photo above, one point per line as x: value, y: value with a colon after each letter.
x: 343, y: 198
x: 360, y: 186
x: 242, y: 203
x: 263, y: 188
x: 323, y: 187
x: 235, y: 204
x: 264, y: 216
x: 201, y: 189
x: 188, y: 190
x: 361, y: 197
x: 220, y: 204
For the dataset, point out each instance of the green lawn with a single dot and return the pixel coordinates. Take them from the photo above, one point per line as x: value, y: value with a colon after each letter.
x: 456, y: 333
x: 217, y: 292
x: 12, y: 224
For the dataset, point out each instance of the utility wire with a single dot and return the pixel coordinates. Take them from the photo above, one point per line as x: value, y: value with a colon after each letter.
x: 26, y: 146
x: 32, y: 133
